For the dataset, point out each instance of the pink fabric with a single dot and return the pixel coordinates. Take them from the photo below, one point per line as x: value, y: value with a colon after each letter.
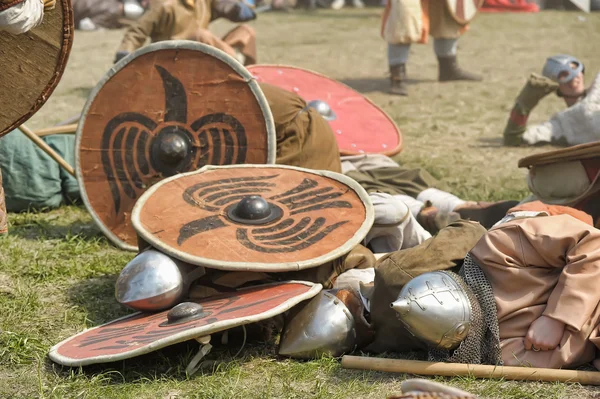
x: 509, y: 6
x: 360, y: 127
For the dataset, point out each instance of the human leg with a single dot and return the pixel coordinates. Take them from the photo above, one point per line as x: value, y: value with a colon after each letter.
x: 397, y: 59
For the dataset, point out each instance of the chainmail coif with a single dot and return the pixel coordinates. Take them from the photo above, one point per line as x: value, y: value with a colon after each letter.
x: 482, y: 345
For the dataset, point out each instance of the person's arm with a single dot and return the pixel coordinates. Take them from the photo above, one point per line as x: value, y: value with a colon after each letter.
x: 158, y: 18
x: 24, y: 16
x: 386, y: 14
x: 536, y: 88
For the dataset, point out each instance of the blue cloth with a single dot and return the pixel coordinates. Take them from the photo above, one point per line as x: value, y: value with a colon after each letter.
x: 33, y: 180
x: 245, y: 13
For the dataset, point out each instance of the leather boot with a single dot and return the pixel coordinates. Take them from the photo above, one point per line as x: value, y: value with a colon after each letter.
x: 398, y: 80
x: 449, y: 70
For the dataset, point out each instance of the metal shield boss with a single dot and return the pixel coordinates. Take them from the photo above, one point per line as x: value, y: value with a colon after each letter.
x: 151, y: 281
x: 435, y: 309
x: 360, y: 126
x: 168, y: 108
x: 323, y: 326
x: 32, y: 64
x: 463, y: 11
x: 267, y: 218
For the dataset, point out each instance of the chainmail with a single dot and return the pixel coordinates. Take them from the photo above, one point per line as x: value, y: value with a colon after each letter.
x: 482, y: 345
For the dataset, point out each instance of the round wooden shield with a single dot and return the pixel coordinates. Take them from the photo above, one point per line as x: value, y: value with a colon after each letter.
x: 463, y: 11
x: 298, y: 218
x: 360, y: 126
x: 32, y: 64
x: 141, y: 333
x: 168, y: 108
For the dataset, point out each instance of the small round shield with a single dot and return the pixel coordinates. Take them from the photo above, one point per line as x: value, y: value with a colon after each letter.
x: 360, y: 126
x: 269, y: 218
x: 463, y: 11
x: 168, y: 108
x: 32, y: 64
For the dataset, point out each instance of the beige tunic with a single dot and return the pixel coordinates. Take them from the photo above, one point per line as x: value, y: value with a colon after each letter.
x: 544, y: 266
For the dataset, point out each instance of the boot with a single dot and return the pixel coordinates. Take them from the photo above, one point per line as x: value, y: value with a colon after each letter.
x: 398, y: 80
x: 449, y: 70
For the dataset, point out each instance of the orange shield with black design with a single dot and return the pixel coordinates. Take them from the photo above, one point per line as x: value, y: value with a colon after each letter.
x: 168, y: 108
x: 268, y: 218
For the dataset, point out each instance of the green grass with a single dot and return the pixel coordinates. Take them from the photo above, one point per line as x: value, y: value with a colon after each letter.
x: 57, y: 271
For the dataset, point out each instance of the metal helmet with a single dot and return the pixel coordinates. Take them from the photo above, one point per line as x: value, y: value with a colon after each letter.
x: 132, y: 9
x: 557, y: 64
x: 324, y: 326
x: 435, y: 309
x: 324, y: 109
x: 152, y: 281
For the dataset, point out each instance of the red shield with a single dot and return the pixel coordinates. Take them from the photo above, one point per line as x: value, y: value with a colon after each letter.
x: 142, y: 333
x: 32, y: 64
x: 169, y: 108
x: 360, y: 126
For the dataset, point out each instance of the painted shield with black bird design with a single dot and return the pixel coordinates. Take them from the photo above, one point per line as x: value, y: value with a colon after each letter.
x: 168, y: 108
x: 269, y: 218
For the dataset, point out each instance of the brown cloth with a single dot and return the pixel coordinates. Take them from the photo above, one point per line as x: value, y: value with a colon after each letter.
x: 3, y: 221
x: 103, y: 13
x: 304, y: 138
x: 394, y: 180
x: 444, y: 251
x: 544, y: 266
x: 177, y: 20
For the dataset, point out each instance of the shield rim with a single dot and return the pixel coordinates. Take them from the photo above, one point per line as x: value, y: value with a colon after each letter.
x: 390, y: 153
x: 185, y: 335
x: 459, y: 20
x: 68, y: 28
x: 572, y: 153
x: 255, y: 266
x: 166, y: 45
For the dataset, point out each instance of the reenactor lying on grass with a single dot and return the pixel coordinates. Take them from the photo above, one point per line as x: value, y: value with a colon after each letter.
x: 535, y: 304
x: 578, y: 124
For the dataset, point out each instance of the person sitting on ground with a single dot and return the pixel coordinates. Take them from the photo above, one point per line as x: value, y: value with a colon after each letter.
x: 188, y: 20
x: 578, y: 124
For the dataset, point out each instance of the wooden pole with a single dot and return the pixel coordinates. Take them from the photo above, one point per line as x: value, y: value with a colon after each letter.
x: 474, y: 370
x: 66, y: 129
x: 47, y: 149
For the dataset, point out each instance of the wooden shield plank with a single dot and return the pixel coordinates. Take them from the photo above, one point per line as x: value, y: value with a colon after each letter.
x: 360, y: 126
x: 168, y: 108
x: 142, y: 333
x: 463, y: 11
x: 321, y: 216
x: 32, y: 64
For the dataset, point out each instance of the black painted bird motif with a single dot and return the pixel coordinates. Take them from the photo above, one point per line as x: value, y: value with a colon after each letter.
x: 292, y: 229
x: 137, y: 149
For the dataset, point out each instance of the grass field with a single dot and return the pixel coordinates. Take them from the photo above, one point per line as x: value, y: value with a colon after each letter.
x: 57, y: 271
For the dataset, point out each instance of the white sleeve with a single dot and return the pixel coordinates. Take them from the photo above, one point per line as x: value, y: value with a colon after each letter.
x: 22, y: 17
x: 542, y: 133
